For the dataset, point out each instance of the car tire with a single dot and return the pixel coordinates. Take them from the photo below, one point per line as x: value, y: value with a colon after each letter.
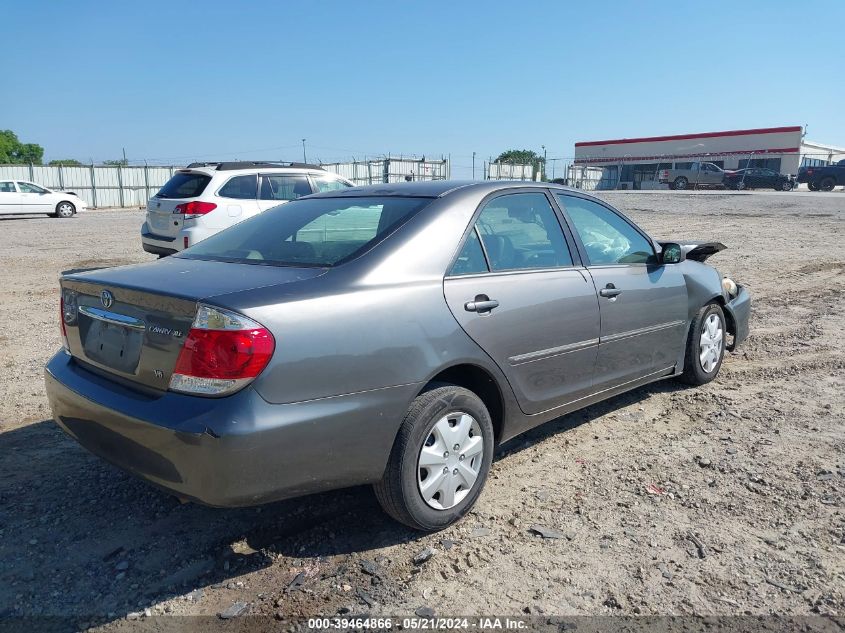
x: 428, y: 424
x: 827, y: 184
x: 741, y: 186
x: 707, y: 325
x: 784, y: 186
x: 680, y: 183
x: 65, y: 209
x: 812, y: 186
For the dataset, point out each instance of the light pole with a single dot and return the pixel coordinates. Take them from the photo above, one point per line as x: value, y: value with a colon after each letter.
x: 304, y: 159
x: 473, y: 165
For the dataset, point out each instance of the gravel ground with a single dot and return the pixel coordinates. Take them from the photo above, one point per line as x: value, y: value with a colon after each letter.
x: 726, y: 499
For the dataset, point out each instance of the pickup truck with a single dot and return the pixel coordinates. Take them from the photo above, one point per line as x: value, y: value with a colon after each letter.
x: 698, y: 174
x: 823, y: 178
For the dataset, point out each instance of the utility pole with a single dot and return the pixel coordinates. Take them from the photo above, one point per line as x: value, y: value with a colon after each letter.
x: 473, y: 165
x: 543, y: 175
x: 124, y: 156
x: 304, y: 159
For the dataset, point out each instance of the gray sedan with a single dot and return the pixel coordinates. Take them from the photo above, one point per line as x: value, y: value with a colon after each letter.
x: 391, y: 335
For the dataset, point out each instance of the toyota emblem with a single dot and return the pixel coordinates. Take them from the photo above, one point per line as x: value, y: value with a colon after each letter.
x: 106, y: 298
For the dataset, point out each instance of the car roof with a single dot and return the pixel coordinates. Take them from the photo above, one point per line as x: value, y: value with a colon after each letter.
x: 436, y: 188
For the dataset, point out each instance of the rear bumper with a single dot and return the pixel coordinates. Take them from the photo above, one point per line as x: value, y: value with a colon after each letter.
x: 738, y: 312
x: 158, y: 244
x: 234, y: 451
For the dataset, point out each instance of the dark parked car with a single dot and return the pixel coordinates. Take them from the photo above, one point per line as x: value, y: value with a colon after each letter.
x: 758, y: 178
x: 389, y: 334
x: 823, y: 178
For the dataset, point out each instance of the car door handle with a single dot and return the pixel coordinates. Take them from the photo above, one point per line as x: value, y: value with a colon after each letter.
x: 481, y: 305
x: 610, y: 291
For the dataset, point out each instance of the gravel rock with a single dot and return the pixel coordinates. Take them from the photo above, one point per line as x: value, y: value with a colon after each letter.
x: 237, y: 609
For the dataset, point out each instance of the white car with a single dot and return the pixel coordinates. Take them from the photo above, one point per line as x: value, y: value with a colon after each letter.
x: 205, y: 198
x: 21, y: 196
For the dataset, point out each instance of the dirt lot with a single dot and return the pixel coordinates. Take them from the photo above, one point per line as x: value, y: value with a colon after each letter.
x: 727, y: 499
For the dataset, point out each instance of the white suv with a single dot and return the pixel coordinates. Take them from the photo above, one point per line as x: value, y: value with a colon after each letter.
x: 205, y: 198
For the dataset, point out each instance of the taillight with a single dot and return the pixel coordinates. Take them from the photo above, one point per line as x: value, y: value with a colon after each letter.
x: 194, y: 209
x: 222, y: 353
x: 62, y: 319
x: 68, y: 309
x: 185, y: 242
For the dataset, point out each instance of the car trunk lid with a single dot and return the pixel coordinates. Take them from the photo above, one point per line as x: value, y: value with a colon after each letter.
x: 130, y: 322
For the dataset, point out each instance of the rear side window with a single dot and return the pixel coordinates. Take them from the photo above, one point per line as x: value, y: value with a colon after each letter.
x: 521, y: 231
x: 329, y: 184
x: 184, y: 184
x: 7, y: 187
x: 284, y: 187
x: 471, y: 258
x: 240, y: 187
x: 314, y: 232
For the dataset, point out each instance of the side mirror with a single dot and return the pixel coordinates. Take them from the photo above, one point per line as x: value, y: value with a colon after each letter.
x: 672, y: 253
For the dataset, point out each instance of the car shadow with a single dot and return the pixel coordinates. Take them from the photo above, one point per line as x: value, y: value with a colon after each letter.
x: 80, y: 538
x: 33, y: 216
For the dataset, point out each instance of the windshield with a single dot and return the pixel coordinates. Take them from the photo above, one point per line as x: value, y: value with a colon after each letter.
x: 184, y: 184
x: 312, y: 232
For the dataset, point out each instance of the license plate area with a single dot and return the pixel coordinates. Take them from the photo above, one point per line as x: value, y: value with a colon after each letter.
x: 114, y: 346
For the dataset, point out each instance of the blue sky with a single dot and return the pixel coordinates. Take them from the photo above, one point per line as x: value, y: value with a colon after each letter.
x: 174, y: 81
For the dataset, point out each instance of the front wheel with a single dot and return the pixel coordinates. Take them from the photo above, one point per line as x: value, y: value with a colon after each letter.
x: 705, y: 346
x: 440, y: 459
x: 65, y: 210
x: 785, y: 186
x: 741, y: 186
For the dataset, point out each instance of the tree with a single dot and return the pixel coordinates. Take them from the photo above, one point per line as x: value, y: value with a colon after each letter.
x: 14, y: 152
x: 520, y: 157
x: 122, y: 162
x: 66, y: 162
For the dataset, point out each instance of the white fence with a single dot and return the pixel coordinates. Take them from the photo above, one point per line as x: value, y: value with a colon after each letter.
x: 390, y: 169
x: 132, y: 186
x: 509, y: 171
x: 98, y: 185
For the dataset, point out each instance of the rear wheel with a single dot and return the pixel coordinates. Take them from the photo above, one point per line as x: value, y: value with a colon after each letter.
x: 65, y: 209
x: 705, y: 346
x: 812, y: 186
x: 680, y: 183
x: 440, y: 459
x: 827, y: 184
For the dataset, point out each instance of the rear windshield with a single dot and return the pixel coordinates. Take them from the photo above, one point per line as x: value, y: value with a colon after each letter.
x: 311, y: 232
x: 184, y: 184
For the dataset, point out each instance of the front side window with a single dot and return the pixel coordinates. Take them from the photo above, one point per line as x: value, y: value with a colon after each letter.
x: 184, y: 184
x: 28, y: 187
x: 284, y: 186
x: 7, y: 187
x: 324, y: 183
x: 240, y: 188
x: 318, y: 232
x: 521, y: 231
x: 607, y: 237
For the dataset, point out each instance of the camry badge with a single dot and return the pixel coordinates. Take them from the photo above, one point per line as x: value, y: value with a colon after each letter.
x: 106, y: 298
